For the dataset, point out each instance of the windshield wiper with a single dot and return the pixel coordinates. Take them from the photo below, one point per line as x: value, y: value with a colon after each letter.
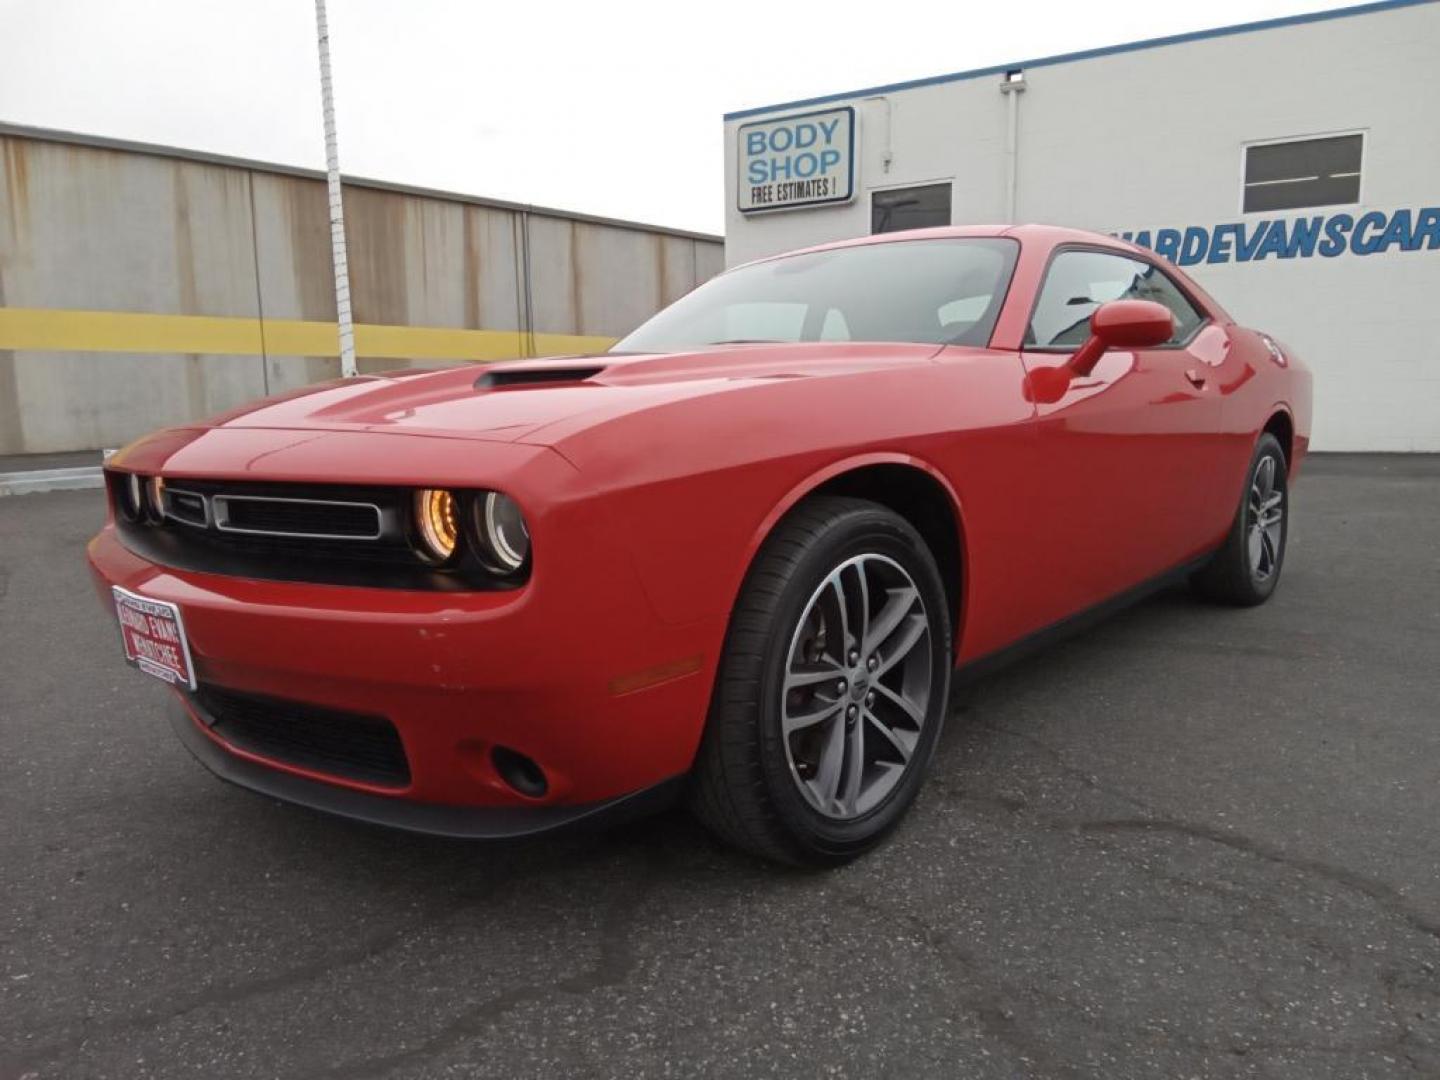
x: 747, y: 341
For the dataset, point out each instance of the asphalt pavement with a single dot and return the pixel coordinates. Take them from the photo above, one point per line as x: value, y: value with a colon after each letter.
x: 1190, y: 842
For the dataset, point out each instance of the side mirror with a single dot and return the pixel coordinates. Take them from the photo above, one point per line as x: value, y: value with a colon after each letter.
x: 1119, y: 324
x: 1122, y: 324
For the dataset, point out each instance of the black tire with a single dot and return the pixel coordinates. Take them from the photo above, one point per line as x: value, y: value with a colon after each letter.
x: 1233, y: 576
x: 744, y: 788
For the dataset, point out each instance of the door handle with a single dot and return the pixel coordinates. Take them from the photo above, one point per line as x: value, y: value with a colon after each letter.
x: 1196, y: 379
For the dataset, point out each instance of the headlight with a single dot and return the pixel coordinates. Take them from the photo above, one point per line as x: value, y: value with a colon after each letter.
x: 504, y: 536
x: 130, y: 496
x: 437, y: 523
x: 156, y: 507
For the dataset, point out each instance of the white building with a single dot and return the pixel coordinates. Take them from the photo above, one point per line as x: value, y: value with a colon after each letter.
x: 1292, y: 166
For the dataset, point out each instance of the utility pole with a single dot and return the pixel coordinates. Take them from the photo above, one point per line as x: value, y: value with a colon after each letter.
x: 337, y: 209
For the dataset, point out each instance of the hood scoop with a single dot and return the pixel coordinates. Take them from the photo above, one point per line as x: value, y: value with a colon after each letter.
x: 536, y: 376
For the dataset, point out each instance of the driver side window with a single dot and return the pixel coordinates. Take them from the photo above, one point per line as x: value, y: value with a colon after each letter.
x: 1078, y: 282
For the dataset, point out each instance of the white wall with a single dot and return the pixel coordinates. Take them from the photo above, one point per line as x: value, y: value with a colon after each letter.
x: 1153, y: 138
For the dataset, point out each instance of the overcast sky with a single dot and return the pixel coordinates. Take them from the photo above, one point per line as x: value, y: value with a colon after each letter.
x: 610, y: 107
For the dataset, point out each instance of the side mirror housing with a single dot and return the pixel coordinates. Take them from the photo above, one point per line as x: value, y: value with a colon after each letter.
x: 1119, y: 324
x: 1122, y: 324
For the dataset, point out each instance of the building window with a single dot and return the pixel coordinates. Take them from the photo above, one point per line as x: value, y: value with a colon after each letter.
x: 1305, y: 172
x: 910, y: 208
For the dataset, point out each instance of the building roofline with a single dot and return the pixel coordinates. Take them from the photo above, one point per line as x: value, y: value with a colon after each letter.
x: 1084, y: 54
x: 204, y: 157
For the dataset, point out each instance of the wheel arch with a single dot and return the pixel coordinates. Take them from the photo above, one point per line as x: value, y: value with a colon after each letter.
x: 907, y: 485
x: 1282, y: 425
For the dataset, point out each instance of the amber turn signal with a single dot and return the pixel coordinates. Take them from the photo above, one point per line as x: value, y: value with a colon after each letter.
x: 437, y: 523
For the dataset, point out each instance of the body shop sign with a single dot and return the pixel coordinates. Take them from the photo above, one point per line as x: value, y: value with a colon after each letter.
x: 804, y: 160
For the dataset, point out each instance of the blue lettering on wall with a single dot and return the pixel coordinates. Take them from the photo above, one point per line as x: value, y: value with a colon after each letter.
x: 1361, y: 242
x: 1303, y: 234
x: 1245, y: 247
x: 1399, y: 231
x: 1375, y: 232
x: 1274, y: 241
x: 1193, y: 245
x: 1167, y: 243
x: 1220, y: 241
x: 1335, y: 229
x: 1427, y: 228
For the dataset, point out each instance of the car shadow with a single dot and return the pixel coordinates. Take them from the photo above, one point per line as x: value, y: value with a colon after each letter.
x: 672, y: 833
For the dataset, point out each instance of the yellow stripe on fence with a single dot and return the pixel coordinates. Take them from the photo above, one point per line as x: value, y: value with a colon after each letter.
x: 57, y: 330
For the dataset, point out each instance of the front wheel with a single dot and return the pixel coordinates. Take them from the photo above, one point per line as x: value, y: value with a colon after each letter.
x: 1246, y: 569
x: 832, y: 688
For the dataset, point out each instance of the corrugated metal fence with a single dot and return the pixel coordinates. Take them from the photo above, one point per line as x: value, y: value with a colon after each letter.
x: 142, y: 286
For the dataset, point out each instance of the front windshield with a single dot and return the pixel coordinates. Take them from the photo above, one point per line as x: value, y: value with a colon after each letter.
x: 927, y: 291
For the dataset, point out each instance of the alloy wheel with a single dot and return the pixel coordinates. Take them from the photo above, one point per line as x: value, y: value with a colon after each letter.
x: 856, y: 687
x: 1265, y: 516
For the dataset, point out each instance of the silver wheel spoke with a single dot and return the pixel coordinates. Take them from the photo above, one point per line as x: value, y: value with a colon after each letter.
x: 905, y: 639
x: 792, y: 723
x: 916, y: 714
x: 1267, y: 549
x: 891, y: 736
x: 811, y: 675
x: 862, y: 632
x: 897, y: 606
x: 827, y: 778
x: 1265, y: 477
x: 854, y: 767
x: 839, y: 588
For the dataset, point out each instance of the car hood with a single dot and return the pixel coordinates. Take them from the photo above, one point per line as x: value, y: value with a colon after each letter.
x: 541, y: 401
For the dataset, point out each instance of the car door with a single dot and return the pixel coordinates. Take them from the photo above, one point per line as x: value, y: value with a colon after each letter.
x: 1130, y: 453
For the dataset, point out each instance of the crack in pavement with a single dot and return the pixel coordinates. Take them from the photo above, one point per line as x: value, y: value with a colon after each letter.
x: 152, y: 1017
x: 1157, y: 821
x: 616, y: 959
x: 1057, y: 757
x: 986, y: 1004
x: 990, y: 1007
x: 1385, y: 896
x: 1407, y: 1041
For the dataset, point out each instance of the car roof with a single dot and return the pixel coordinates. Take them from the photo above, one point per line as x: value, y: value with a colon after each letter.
x: 1045, y: 236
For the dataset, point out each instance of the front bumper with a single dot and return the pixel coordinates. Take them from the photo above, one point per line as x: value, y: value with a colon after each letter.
x: 461, y: 822
x: 575, y: 671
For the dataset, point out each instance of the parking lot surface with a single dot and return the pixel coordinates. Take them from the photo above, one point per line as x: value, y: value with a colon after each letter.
x: 1189, y: 842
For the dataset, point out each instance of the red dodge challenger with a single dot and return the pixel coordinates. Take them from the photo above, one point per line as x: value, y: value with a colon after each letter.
x: 735, y: 559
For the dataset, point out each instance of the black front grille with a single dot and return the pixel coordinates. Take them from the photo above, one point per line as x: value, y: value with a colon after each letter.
x: 344, y: 744
x: 297, y: 517
x: 187, y: 506
x: 332, y: 533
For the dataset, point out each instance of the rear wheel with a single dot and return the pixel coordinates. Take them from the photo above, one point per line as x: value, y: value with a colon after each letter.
x: 831, y: 690
x: 1247, y: 567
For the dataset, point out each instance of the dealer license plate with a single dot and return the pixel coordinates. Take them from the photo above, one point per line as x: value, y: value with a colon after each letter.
x: 154, y: 637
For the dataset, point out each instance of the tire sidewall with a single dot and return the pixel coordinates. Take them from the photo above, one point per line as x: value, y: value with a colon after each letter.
x: 864, y: 532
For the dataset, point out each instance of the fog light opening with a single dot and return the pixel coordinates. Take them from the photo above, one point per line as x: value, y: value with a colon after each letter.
x: 520, y: 772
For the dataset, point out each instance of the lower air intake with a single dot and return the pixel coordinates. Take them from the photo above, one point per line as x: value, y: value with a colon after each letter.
x: 353, y: 746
